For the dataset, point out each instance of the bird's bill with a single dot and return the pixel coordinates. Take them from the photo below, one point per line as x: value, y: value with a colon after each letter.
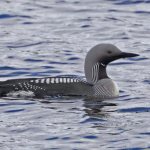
x: 126, y: 55
x: 121, y: 55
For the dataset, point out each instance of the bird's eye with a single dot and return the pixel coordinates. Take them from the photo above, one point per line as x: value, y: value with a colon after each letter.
x: 109, y: 52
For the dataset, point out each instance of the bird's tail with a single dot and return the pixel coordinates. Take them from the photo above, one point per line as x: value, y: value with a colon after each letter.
x: 3, y: 89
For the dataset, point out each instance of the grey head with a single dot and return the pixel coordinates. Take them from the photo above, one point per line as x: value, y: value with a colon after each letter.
x: 98, y: 58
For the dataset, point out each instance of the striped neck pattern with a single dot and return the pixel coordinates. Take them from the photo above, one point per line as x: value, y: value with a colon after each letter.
x: 98, y: 72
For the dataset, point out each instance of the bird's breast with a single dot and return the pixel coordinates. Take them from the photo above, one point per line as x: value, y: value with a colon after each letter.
x: 106, y: 88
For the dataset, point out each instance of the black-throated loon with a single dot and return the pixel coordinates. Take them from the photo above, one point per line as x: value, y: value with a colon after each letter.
x: 97, y: 83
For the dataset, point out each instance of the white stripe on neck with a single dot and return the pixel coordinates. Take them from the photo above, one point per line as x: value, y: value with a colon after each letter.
x: 95, y: 72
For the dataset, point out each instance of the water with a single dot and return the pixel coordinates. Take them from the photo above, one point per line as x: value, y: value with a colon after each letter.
x: 48, y: 38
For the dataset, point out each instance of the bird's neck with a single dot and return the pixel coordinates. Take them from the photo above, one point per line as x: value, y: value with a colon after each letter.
x: 102, y: 74
x: 95, y: 72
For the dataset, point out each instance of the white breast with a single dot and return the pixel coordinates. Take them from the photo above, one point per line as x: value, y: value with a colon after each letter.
x: 106, y: 88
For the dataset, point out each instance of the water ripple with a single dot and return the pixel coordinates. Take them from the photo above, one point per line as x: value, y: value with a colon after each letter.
x: 7, y: 16
x: 135, y: 109
x: 14, y: 110
x: 128, y: 2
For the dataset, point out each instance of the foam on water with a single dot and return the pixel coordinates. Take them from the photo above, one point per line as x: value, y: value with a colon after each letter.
x: 23, y: 94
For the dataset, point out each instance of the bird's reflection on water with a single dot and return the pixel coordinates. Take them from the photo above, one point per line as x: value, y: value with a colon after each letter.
x: 96, y: 108
x: 93, y: 109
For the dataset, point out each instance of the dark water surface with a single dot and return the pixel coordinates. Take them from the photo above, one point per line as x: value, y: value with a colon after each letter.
x: 51, y: 37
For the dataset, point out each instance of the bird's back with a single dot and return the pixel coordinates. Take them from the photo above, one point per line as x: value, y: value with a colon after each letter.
x: 47, y: 86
